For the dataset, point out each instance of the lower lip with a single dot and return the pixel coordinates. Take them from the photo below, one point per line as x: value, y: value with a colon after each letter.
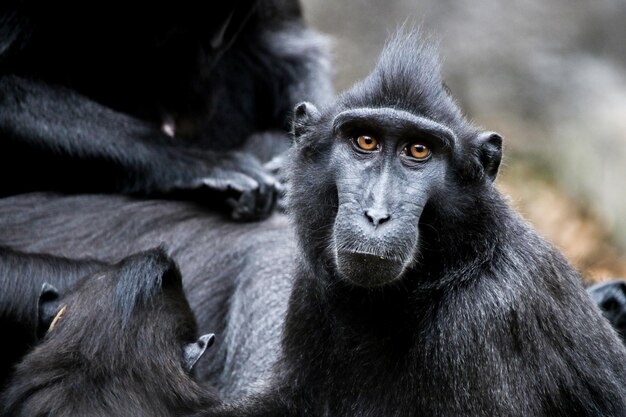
x: 366, y: 269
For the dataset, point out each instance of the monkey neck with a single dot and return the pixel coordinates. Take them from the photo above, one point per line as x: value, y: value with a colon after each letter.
x: 342, y: 314
x: 367, y: 335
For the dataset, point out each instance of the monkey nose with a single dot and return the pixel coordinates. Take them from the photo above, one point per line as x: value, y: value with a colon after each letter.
x: 377, y: 216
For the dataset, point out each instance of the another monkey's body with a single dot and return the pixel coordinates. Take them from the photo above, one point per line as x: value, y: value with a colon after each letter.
x: 184, y: 100
x: 237, y: 276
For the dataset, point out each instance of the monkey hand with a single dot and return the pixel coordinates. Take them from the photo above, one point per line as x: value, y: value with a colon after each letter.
x: 276, y: 167
x: 233, y: 180
x: 250, y: 191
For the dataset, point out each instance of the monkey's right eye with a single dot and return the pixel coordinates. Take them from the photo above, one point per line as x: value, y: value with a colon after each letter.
x: 367, y: 143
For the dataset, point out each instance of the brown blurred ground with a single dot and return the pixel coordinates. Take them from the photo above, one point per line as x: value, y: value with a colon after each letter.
x: 569, y: 225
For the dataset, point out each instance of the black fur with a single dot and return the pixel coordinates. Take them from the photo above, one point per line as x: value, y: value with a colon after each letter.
x: 117, y: 350
x: 611, y: 298
x: 87, y: 95
x: 22, y: 276
x: 463, y: 309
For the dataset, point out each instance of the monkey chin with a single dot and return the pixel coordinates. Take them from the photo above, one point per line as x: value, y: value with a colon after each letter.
x: 368, y: 270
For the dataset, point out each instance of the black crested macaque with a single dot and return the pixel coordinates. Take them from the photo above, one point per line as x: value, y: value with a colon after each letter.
x: 405, y: 287
x: 179, y: 100
x: 418, y: 290
x: 22, y: 277
x: 121, y: 343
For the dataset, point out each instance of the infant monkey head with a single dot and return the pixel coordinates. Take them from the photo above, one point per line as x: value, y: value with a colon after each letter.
x: 122, y: 341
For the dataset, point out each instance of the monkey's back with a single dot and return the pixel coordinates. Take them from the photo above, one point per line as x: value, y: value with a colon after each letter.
x: 236, y: 275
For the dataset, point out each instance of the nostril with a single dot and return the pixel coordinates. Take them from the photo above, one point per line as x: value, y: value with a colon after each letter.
x: 377, y: 217
x: 384, y: 219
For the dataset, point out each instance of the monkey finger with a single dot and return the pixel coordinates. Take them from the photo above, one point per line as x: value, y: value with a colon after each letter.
x: 235, y: 181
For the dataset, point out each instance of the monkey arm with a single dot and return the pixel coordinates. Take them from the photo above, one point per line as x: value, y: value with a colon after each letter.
x: 55, y: 139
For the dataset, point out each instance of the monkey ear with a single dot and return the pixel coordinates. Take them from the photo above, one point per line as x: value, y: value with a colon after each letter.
x: 48, y: 307
x: 490, y: 153
x: 193, y: 351
x: 304, y: 115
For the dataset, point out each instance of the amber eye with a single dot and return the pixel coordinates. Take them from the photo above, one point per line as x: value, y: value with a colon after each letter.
x: 367, y: 143
x: 418, y: 151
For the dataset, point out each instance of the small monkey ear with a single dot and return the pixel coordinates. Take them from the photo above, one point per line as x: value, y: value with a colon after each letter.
x: 490, y: 153
x: 48, y: 307
x: 304, y: 115
x: 193, y: 351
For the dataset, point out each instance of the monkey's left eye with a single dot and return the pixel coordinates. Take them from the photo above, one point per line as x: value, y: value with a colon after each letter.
x: 418, y: 151
x: 367, y: 143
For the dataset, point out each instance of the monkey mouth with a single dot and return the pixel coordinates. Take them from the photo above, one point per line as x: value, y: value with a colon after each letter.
x: 367, y: 269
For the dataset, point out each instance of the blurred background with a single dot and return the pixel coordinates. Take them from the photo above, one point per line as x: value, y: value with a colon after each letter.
x: 550, y: 75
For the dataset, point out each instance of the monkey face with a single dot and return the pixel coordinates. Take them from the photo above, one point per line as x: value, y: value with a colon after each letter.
x: 371, y: 174
x: 387, y: 164
x: 382, y: 165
